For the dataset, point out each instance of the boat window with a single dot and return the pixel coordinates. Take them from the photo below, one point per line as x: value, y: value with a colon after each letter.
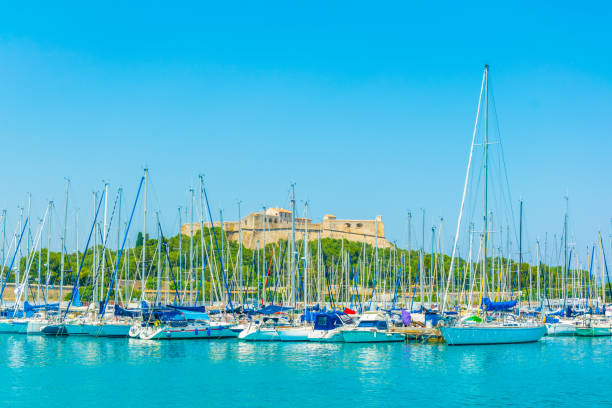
x: 321, y: 320
x: 381, y: 325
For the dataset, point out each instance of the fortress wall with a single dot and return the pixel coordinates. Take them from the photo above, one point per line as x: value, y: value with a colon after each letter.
x: 278, y: 228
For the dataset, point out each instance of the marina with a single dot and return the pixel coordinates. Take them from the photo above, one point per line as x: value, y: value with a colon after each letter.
x: 305, y: 205
x: 113, y: 369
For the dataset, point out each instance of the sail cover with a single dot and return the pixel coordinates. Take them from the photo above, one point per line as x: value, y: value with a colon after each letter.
x: 490, y: 306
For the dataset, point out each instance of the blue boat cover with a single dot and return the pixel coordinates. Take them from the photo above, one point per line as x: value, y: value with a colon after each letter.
x: 330, y: 320
x: 490, y: 306
x: 119, y: 311
x: 271, y: 309
x: 200, y: 309
x: 27, y: 307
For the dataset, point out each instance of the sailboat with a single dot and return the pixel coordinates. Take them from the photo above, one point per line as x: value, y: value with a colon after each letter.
x: 497, y: 325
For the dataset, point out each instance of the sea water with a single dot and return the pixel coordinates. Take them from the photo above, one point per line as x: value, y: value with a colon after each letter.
x: 90, y: 373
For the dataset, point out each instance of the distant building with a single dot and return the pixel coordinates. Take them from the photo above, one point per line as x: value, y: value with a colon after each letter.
x: 275, y: 224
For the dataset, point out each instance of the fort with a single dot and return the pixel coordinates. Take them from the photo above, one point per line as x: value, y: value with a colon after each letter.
x: 274, y: 224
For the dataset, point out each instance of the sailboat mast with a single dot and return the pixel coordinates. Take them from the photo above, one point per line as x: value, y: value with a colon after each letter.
x: 520, y: 246
x: 144, y: 237
x: 486, y: 169
x: 293, y: 243
x: 565, y: 254
x: 191, y: 193
x: 305, y: 253
x: 104, y: 227
x: 240, y: 254
x: 61, y: 283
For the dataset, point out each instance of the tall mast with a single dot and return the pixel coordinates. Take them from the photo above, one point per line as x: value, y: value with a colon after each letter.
x: 520, y: 250
x: 180, y: 257
x: 118, y: 245
x: 104, y: 228
x: 3, y: 237
x: 240, y: 254
x: 486, y: 169
x: 191, y: 191
x: 61, y: 283
x: 565, y: 270
x: 293, y: 243
x: 48, y: 277
x: 305, y: 284
x: 95, y: 251
x: 158, y: 287
x: 422, y: 262
x: 144, y: 238
x: 263, y: 258
x: 409, y: 254
x: 76, y: 239
x: 204, y: 252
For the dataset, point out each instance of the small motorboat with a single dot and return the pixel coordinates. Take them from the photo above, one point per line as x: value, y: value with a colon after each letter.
x: 372, y: 327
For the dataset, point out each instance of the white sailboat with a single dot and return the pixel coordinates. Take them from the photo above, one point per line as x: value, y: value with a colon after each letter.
x: 504, y: 329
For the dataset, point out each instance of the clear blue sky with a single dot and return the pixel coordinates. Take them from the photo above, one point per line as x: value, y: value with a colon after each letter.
x: 368, y: 107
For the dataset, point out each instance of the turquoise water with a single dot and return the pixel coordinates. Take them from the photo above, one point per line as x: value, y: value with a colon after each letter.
x: 88, y: 372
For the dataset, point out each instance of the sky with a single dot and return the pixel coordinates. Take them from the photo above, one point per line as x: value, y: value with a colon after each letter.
x: 368, y: 108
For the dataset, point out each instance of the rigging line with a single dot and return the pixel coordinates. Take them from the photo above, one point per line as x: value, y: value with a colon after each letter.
x: 503, y: 157
x: 465, y: 186
x: 93, y: 225
x: 103, y: 307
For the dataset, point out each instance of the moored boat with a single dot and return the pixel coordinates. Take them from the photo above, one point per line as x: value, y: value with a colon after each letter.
x: 328, y: 327
x: 372, y: 327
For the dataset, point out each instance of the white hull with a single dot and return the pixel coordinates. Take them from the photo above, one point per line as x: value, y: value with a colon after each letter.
x: 560, y: 329
x: 135, y: 331
x: 371, y: 336
x: 492, y: 334
x: 258, y: 334
x: 326, y: 336
x: 192, y: 331
x: 294, y: 333
x: 35, y: 326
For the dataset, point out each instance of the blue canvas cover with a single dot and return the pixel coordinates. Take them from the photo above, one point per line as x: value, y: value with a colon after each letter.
x: 27, y: 307
x: 271, y: 309
x: 119, y: 311
x: 490, y: 306
x: 330, y: 320
x: 200, y: 309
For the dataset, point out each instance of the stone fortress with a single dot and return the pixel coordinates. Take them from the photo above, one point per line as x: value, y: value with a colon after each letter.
x: 275, y: 224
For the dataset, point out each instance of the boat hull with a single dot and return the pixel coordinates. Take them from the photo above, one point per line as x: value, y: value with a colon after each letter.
x: 107, y: 330
x: 255, y: 334
x: 13, y: 327
x: 593, y: 331
x: 492, y: 335
x: 189, y: 332
x: 54, y: 330
x: 35, y: 327
x: 560, y: 329
x: 294, y: 334
x: 326, y: 336
x: 372, y: 336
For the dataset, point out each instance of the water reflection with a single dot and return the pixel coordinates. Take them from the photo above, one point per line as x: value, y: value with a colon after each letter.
x: 130, y: 371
